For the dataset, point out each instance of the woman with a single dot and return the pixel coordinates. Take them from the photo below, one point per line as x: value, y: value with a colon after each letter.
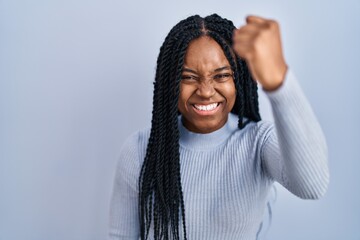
x: 205, y: 168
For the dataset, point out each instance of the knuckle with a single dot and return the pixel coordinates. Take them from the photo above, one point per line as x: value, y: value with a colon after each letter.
x: 273, y: 24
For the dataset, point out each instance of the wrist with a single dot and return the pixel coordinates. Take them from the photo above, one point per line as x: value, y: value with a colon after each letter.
x: 276, y: 81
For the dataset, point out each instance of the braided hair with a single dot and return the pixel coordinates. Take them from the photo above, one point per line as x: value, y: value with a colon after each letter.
x: 160, y: 192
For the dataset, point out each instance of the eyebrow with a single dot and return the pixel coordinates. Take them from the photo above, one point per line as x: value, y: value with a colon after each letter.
x: 216, y: 70
x: 222, y: 68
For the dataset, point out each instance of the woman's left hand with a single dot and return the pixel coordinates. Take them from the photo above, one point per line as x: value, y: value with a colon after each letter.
x: 259, y: 43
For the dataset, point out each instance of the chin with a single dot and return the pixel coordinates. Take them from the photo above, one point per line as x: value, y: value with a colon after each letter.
x: 208, y: 127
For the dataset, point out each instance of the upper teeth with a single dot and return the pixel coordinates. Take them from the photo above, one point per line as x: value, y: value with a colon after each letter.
x: 206, y: 107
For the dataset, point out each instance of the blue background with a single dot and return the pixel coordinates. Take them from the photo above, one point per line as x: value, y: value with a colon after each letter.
x: 76, y: 79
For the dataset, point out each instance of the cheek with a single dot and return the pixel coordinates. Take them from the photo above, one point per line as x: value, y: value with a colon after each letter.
x: 229, y: 92
x: 181, y: 104
x: 184, y: 96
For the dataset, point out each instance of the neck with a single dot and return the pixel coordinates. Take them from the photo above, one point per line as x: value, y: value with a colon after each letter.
x: 201, y: 141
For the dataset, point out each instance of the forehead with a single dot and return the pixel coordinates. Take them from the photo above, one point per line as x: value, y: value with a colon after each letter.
x: 204, y: 54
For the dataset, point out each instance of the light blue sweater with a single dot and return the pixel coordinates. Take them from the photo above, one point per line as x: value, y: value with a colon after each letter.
x: 226, y: 175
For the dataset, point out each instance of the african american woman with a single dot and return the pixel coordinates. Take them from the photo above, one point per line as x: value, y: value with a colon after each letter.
x: 206, y: 166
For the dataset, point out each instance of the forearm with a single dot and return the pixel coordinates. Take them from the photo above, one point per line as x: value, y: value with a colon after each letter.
x: 301, y: 142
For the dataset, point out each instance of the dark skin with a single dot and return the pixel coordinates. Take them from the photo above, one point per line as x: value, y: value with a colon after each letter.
x: 207, y: 89
x: 206, y: 79
x: 259, y: 43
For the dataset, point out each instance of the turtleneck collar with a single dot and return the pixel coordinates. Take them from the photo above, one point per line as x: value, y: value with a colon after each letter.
x: 194, y: 140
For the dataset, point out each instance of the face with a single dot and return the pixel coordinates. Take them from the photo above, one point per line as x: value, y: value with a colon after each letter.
x: 207, y: 89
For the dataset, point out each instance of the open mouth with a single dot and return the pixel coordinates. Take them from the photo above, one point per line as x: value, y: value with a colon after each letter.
x: 206, y: 109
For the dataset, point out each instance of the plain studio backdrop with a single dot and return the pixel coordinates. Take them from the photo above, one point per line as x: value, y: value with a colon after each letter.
x: 76, y: 78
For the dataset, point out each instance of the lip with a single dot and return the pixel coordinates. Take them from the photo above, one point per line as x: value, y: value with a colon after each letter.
x: 206, y: 113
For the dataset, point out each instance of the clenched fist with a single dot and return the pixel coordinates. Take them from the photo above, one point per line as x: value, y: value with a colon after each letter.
x: 259, y: 43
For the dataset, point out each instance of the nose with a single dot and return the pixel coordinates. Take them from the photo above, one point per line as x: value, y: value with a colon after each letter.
x: 206, y: 89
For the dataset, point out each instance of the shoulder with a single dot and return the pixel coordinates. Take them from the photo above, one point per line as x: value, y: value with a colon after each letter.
x: 137, y: 138
x: 254, y: 134
x: 134, y: 146
x: 264, y: 128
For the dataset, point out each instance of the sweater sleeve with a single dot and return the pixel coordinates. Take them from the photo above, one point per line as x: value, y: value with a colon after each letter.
x: 294, y: 151
x: 123, y: 220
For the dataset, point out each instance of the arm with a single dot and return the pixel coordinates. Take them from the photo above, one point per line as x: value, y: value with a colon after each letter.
x: 294, y: 153
x: 123, y: 220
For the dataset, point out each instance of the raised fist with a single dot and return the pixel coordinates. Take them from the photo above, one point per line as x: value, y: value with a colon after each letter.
x: 259, y: 43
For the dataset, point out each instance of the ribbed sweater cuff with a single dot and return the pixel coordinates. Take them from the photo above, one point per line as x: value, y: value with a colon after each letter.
x: 288, y: 89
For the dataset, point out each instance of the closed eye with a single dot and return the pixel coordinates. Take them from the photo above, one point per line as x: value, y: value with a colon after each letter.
x: 223, y: 77
x: 189, y: 78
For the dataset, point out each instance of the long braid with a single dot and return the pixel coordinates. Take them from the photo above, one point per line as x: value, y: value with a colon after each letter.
x: 160, y: 190
x: 175, y: 133
x: 172, y: 104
